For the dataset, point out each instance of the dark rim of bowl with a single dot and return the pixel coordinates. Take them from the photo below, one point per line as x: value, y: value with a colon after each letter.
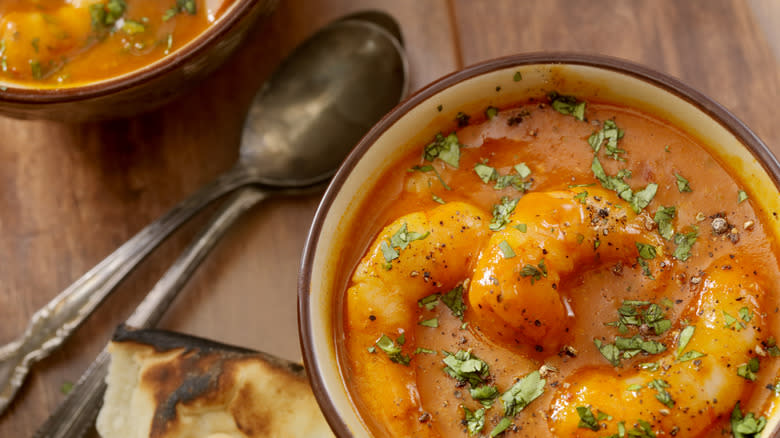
x: 224, y: 24
x: 668, y: 83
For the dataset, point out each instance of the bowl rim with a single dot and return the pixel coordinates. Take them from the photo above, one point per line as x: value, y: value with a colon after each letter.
x: 222, y: 26
x: 618, y: 65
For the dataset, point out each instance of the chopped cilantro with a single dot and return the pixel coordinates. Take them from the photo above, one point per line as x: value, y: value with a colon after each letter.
x: 485, y: 394
x: 475, y: 421
x: 746, y: 426
x: 645, y: 268
x: 392, y: 350
x: 462, y: 118
x: 424, y: 350
x: 587, y: 419
x: 437, y: 199
x: 730, y: 320
x: 491, y: 112
x: 445, y: 148
x: 642, y: 198
x: 614, y: 183
x: 568, y: 105
x: 608, y: 136
x: 522, y: 393
x: 454, y: 301
x: 403, y: 237
x: 663, y: 395
x: 433, y: 323
x: 485, y: 172
x: 428, y: 302
x: 684, y: 242
x: 748, y: 370
x: 581, y: 196
x: 649, y: 366
x: 646, y: 251
x: 741, y: 196
x: 35, y: 69
x: 506, y: 249
x: 690, y: 355
x: 501, y: 213
x: 388, y: 252
x: 501, y: 427
x: 609, y: 351
x: 682, y: 184
x: 522, y: 170
x: 745, y: 314
x: 533, y: 272
x: 685, y: 336
x: 634, y: 388
x: 518, y: 76
x: 521, y: 227
x: 132, y: 27
x: 465, y: 367
x: 663, y: 217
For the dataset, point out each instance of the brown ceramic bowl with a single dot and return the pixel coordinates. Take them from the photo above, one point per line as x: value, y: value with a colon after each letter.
x: 322, y: 284
x: 146, y: 88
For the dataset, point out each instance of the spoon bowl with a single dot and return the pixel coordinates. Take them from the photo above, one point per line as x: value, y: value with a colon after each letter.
x: 301, y: 125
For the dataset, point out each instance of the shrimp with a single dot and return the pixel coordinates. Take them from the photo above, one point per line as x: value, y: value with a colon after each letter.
x: 35, y: 42
x: 727, y: 321
x: 515, y: 292
x: 384, y: 293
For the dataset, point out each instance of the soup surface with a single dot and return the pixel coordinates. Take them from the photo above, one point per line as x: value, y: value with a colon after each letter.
x: 566, y: 269
x: 60, y: 43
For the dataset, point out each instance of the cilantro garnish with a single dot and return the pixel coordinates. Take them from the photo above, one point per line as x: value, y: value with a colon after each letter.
x: 642, y: 198
x: 614, y: 183
x: 645, y: 268
x: 506, y: 249
x: 432, y: 323
x: 491, y: 112
x: 685, y: 336
x: 608, y: 136
x: 403, y: 237
x: 646, y: 251
x: 419, y: 350
x: 445, y: 148
x: 745, y: 426
x: 429, y: 168
x: 475, y: 421
x: 748, y: 370
x: 428, y: 302
x: 388, y: 253
x: 502, y: 426
x: 587, y: 419
x: 745, y: 314
x: 690, y: 355
x: 488, y: 174
x: 522, y: 393
x: 649, y: 366
x: 741, y: 196
x: 518, y: 76
x: 485, y: 172
x: 636, y: 313
x: 522, y: 170
x: 684, y: 242
x: 663, y: 395
x: 187, y: 6
x: 730, y: 320
x: 609, y: 351
x: 454, y: 301
x: 581, y: 196
x: 392, y: 349
x: 501, y: 213
x: 682, y: 184
x: 663, y: 217
x: 132, y: 27
x: 535, y: 272
x: 568, y: 105
x: 485, y: 394
x: 521, y: 227
x: 465, y: 367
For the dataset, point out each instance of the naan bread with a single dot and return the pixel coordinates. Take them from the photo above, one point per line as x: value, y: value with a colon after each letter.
x: 167, y: 385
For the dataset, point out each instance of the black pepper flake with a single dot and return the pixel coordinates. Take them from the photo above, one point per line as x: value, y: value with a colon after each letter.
x: 538, y: 348
x: 372, y: 317
x: 424, y: 417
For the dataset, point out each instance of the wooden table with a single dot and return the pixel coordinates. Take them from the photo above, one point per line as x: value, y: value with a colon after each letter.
x: 71, y: 194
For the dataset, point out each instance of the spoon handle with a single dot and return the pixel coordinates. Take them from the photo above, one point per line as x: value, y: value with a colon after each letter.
x: 51, y: 325
x: 77, y: 412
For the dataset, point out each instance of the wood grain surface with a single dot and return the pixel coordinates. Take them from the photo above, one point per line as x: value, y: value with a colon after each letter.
x: 71, y: 194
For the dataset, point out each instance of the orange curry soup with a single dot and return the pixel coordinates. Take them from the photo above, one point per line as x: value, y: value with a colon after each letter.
x: 561, y: 269
x: 60, y: 43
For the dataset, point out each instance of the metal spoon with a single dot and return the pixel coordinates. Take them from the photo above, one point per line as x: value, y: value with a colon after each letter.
x: 299, y: 128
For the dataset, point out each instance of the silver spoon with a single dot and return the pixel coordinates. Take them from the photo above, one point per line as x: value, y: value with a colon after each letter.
x: 299, y: 128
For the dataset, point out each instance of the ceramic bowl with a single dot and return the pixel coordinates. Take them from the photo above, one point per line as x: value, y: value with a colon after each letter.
x: 322, y: 280
x: 146, y: 88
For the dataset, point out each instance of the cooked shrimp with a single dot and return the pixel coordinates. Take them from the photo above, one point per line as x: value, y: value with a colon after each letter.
x: 36, y: 43
x: 382, y: 300
x: 727, y: 322
x: 515, y: 292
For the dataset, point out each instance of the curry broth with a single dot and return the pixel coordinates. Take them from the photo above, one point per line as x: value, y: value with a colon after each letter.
x: 58, y: 43
x: 554, y: 147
